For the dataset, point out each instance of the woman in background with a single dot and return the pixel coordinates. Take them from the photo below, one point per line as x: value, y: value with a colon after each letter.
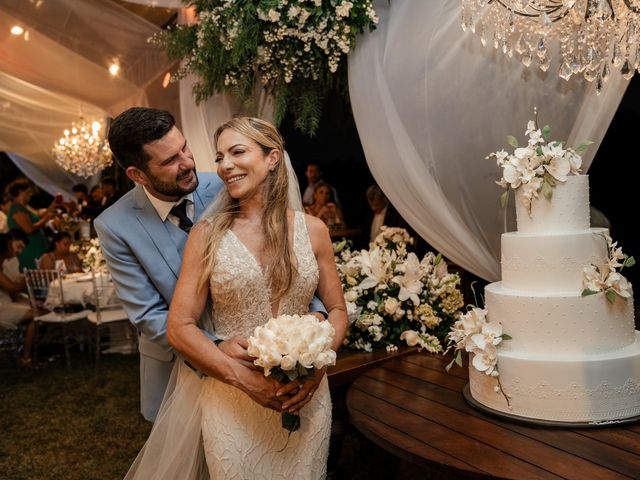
x: 60, y: 251
x: 324, y: 206
x: 13, y: 313
x: 22, y: 216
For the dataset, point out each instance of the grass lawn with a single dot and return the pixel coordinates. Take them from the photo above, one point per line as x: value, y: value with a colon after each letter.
x: 77, y: 424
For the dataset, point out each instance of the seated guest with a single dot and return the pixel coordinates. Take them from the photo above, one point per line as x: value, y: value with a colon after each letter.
x: 324, y: 206
x: 61, y: 242
x: 13, y: 313
x: 314, y: 179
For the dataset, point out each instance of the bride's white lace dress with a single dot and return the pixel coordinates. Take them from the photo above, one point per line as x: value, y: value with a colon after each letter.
x: 241, y: 439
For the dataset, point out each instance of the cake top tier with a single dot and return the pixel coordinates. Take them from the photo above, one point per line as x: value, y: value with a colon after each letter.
x: 566, y: 211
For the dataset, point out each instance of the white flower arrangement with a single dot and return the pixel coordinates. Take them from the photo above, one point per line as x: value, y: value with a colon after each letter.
x: 292, y: 47
x: 290, y: 347
x: 608, y: 279
x: 90, y: 253
x: 392, y: 296
x: 475, y: 334
x: 537, y: 167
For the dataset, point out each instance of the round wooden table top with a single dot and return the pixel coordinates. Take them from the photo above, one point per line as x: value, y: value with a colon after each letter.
x: 415, y: 409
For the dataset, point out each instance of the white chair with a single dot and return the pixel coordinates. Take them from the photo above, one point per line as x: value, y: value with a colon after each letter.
x: 47, y: 286
x: 108, y: 312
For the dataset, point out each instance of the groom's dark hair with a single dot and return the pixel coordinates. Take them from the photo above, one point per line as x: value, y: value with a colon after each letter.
x: 134, y: 128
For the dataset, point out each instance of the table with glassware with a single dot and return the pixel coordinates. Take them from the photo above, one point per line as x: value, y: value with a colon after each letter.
x: 78, y: 289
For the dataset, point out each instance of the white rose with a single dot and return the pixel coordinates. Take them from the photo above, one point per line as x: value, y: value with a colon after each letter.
x: 351, y: 296
x: 306, y: 360
x: 391, y: 305
x: 288, y: 363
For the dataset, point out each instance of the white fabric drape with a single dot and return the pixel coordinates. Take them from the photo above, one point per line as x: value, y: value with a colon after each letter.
x: 430, y: 103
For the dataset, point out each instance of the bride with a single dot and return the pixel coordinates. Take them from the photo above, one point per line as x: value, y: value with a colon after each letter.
x: 257, y: 256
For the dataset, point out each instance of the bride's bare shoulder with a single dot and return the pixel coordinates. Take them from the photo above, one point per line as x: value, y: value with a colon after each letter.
x: 317, y: 228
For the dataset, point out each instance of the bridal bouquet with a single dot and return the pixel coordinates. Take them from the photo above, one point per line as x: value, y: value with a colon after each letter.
x: 393, y: 296
x: 291, y: 347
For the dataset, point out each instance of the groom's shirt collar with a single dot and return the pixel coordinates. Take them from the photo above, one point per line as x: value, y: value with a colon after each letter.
x: 163, y: 207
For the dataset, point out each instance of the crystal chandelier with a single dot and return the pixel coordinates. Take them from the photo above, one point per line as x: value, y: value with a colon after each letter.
x: 83, y: 150
x: 594, y: 36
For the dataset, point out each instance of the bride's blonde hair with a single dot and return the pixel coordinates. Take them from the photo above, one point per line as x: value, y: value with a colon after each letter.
x: 279, y: 261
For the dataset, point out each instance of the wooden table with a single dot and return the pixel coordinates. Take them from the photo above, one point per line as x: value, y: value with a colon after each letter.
x: 412, y: 407
x: 338, y: 233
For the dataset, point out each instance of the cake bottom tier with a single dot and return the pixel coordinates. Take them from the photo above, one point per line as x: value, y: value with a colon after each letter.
x: 584, y: 388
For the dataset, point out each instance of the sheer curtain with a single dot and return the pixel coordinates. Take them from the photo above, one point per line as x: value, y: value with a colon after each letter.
x: 430, y: 103
x: 58, y: 69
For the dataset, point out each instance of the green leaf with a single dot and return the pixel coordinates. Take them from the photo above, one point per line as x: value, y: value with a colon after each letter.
x: 339, y: 246
x: 513, y: 141
x: 504, y: 199
x: 449, y: 365
x: 458, y: 358
x: 546, y: 132
x: 583, y: 146
x: 629, y: 261
x: 438, y: 259
x: 546, y: 190
x: 611, y: 296
x: 504, y: 336
x: 539, y: 150
x: 586, y: 292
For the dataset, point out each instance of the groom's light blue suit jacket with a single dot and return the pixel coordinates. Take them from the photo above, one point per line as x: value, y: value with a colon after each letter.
x: 144, y: 255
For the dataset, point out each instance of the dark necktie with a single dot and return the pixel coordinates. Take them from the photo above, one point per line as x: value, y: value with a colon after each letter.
x: 180, y: 211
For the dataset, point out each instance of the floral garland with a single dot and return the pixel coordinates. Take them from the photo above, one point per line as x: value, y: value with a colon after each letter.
x: 539, y: 166
x: 608, y: 279
x: 292, y: 47
x: 475, y: 334
x: 393, y: 296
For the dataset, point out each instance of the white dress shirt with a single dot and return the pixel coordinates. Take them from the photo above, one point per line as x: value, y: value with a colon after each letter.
x: 164, y: 208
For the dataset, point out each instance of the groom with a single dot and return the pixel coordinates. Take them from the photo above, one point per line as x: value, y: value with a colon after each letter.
x: 143, y: 236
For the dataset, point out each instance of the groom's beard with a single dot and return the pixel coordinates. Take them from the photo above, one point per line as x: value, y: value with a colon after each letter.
x: 173, y: 189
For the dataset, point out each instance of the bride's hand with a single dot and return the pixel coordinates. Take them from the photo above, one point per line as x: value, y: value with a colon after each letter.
x: 305, y: 391
x: 263, y: 390
x: 236, y: 348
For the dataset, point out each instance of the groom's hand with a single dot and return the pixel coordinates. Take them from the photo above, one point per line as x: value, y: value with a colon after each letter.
x: 236, y: 348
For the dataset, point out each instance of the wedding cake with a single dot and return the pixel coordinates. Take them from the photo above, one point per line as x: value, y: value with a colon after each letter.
x: 570, y: 357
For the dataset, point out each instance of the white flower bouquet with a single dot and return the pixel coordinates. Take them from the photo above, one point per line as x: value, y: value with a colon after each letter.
x: 607, y: 278
x: 537, y: 167
x: 291, y: 347
x: 393, y: 296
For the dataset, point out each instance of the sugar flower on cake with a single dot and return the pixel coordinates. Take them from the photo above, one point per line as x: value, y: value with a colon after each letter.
x: 607, y: 278
x: 393, y: 296
x: 537, y: 167
x: 476, y: 334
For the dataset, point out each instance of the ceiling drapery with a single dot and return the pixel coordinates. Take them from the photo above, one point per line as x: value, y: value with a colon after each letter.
x: 58, y: 69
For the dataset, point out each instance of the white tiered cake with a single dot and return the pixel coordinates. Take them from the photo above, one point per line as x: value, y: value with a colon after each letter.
x: 571, y: 358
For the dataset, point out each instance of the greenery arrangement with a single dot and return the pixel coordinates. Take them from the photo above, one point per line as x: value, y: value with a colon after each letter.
x: 295, y: 49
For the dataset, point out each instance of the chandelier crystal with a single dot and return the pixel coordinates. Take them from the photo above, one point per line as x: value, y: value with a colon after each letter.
x: 595, y: 36
x: 83, y: 150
